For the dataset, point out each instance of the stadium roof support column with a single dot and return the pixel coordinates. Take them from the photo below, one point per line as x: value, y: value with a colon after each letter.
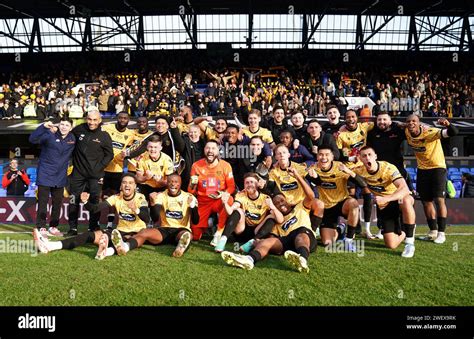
x: 140, y: 34
x: 249, y: 36
x: 190, y: 24
x: 314, y: 26
x: 87, y: 38
x: 466, y: 32
x: 413, y: 44
x: 35, y: 33
x: 359, y: 33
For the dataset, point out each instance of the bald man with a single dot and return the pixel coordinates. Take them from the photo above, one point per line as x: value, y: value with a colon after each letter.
x: 92, y: 154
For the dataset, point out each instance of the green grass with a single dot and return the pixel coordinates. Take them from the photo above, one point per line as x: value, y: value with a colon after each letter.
x: 438, y: 275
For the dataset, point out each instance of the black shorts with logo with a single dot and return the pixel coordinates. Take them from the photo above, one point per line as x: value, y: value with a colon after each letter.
x: 331, y: 215
x: 169, y: 234
x: 431, y: 183
x: 389, y: 218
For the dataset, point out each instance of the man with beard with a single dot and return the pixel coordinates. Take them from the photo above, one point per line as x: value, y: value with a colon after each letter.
x: 392, y: 196
x: 121, y: 137
x: 294, y: 237
x: 131, y: 207
x: 209, y: 178
x: 334, y: 124
x: 431, y: 182
x: 212, y: 133
x: 140, y: 134
x: 386, y: 139
x: 278, y: 123
x: 252, y: 215
x: 175, y: 210
x: 93, y: 152
x: 352, y: 138
x: 316, y: 138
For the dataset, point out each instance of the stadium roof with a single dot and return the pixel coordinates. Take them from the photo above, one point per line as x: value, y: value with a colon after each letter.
x: 61, y: 8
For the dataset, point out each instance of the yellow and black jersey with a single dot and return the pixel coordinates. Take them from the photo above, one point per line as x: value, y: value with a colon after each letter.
x: 161, y: 167
x: 175, y: 211
x: 137, y: 140
x: 287, y: 184
x: 120, y: 142
x: 255, y: 209
x: 332, y: 186
x: 350, y: 142
x: 129, y: 221
x: 183, y: 127
x: 209, y: 132
x: 261, y: 132
x: 298, y: 217
x: 427, y: 147
x: 381, y: 181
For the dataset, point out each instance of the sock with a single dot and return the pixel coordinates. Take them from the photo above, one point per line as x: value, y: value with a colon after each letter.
x: 409, y: 229
x: 350, y: 231
x: 126, y: 247
x: 432, y: 224
x: 78, y: 240
x: 441, y: 224
x: 410, y: 240
x: 132, y: 244
x: 367, y: 206
x: 110, y: 220
x: 303, y: 251
x: 315, y: 221
x: 55, y: 245
x: 231, y: 223
x: 255, y: 255
x: 109, y: 251
x: 367, y: 226
x: 223, y: 238
x: 265, y: 229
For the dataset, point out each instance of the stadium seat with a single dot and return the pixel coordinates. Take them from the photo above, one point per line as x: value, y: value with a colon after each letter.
x: 3, y: 192
x: 453, y: 170
x: 31, y: 171
x: 464, y: 170
x: 472, y: 170
x: 455, y: 176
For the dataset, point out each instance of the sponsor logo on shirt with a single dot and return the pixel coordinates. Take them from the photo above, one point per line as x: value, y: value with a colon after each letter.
x: 174, y: 214
x: 287, y: 224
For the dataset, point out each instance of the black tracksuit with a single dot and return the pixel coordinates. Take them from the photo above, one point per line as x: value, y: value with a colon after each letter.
x: 92, y: 154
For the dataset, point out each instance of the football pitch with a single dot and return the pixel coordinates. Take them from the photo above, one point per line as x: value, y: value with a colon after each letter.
x: 438, y: 275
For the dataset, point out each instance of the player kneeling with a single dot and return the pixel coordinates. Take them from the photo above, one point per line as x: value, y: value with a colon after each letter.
x: 132, y: 209
x: 252, y: 215
x: 293, y: 237
x: 175, y: 210
x: 391, y: 195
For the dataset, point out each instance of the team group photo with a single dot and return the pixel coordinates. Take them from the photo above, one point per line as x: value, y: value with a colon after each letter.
x: 225, y: 154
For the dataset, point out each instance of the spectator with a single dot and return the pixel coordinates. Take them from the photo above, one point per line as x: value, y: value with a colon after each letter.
x: 15, y: 181
x: 467, y: 190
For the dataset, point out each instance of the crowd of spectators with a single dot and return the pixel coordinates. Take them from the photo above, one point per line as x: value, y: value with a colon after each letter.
x: 154, y: 90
